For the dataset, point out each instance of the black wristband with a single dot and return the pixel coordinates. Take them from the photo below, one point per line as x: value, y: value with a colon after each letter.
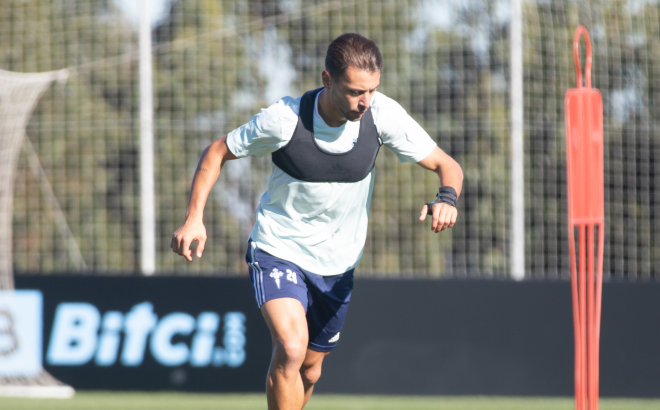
x: 447, y: 195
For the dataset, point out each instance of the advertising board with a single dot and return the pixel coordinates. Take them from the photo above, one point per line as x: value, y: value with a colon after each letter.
x: 453, y: 337
x: 20, y: 333
x: 136, y: 333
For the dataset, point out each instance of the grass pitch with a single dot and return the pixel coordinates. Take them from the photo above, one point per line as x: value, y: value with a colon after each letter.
x: 171, y: 401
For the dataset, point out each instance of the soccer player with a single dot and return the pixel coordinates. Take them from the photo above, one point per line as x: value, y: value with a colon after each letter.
x: 311, y: 223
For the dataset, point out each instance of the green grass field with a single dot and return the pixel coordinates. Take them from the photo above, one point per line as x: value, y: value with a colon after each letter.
x: 183, y: 401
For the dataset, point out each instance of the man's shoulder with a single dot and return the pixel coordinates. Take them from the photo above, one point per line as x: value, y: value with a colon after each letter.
x: 387, y: 111
x: 286, y: 106
x: 288, y: 103
x: 383, y: 103
x: 285, y: 109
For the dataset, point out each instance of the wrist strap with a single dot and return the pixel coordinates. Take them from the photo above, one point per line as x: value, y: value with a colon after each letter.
x: 447, y: 195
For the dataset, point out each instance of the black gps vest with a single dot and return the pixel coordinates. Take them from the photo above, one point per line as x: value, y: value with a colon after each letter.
x: 303, y: 159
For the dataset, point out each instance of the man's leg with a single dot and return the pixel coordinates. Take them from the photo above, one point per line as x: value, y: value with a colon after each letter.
x: 311, y: 371
x: 286, y: 320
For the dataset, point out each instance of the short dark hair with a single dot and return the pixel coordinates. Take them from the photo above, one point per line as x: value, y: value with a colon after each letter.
x: 352, y: 50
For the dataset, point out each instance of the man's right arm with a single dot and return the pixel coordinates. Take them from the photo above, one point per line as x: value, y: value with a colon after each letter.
x: 208, y: 169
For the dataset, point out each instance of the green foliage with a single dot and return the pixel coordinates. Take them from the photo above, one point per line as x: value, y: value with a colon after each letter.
x: 216, y: 63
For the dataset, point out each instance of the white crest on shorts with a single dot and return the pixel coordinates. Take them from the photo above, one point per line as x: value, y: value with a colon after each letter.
x: 276, y: 274
x: 334, y: 338
x: 291, y: 276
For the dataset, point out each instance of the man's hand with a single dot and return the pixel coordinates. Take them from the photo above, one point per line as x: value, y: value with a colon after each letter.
x: 444, y: 216
x: 451, y: 175
x: 185, y: 235
x: 208, y: 169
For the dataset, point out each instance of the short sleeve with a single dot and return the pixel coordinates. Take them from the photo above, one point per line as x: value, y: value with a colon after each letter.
x: 399, y: 131
x: 267, y: 131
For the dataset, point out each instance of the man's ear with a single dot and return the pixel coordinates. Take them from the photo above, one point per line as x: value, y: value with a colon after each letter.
x: 327, y: 79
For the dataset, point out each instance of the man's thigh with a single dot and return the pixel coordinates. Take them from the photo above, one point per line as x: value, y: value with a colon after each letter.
x: 329, y: 299
x: 286, y: 320
x: 324, y: 299
x: 274, y: 278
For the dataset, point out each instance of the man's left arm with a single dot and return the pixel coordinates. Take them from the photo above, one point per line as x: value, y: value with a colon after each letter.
x: 451, y: 175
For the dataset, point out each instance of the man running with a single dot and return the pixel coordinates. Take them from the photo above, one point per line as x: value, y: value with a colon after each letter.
x: 311, y: 224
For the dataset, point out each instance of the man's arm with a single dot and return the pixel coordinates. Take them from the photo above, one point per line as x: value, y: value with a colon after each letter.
x: 208, y: 169
x: 451, y: 174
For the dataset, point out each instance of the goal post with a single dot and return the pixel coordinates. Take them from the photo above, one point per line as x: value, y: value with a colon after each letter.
x: 19, y: 94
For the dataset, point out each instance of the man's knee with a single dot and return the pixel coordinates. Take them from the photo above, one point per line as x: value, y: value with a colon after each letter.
x: 310, y: 375
x: 290, y: 353
x: 311, y: 368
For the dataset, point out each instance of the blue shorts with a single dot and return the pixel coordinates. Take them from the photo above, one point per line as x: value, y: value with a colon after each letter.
x: 324, y: 298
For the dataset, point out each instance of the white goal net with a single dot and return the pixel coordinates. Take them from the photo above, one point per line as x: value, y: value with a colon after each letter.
x: 19, y: 93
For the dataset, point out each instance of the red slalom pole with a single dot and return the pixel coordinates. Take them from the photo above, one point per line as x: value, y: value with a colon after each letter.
x: 586, y: 212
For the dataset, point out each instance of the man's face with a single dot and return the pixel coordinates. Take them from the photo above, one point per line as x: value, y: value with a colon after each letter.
x: 352, y: 92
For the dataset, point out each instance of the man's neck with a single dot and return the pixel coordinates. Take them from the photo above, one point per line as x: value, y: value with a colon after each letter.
x: 328, y: 111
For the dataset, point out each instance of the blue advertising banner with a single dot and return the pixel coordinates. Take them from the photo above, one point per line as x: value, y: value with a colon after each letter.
x: 136, y: 333
x: 454, y: 337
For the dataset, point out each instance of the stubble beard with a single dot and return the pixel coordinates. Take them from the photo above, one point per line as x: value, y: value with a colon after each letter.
x: 343, y: 110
